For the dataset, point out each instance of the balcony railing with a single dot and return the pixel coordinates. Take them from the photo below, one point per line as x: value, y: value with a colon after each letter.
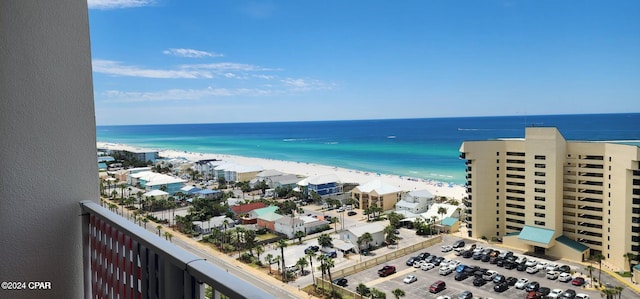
x: 123, y: 260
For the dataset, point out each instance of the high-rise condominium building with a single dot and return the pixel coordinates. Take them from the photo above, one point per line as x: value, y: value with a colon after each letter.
x: 544, y: 194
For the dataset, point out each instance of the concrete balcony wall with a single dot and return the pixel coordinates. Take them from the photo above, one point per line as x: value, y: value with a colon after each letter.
x: 47, y: 144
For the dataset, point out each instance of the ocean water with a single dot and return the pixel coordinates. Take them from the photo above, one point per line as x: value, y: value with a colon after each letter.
x: 421, y: 148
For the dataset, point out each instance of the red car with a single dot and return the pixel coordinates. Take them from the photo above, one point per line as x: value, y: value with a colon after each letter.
x: 578, y: 281
x: 437, y: 286
x: 386, y: 270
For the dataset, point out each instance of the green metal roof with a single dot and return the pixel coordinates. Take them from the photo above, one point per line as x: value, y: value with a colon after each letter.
x: 536, y: 234
x: 572, y: 244
x: 266, y: 210
x: 270, y: 216
x: 449, y: 221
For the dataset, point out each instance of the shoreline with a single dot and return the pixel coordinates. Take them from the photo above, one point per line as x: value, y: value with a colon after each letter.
x: 405, y: 183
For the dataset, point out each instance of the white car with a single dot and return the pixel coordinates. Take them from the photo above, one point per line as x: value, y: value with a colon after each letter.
x: 582, y: 296
x: 521, y: 259
x: 489, y: 275
x: 551, y: 267
x: 410, y: 279
x: 541, y: 265
x: 447, y: 248
x: 531, y: 263
x: 564, y: 277
x: 521, y: 283
x: 532, y: 270
x: 444, y: 297
x: 555, y: 293
x: 445, y: 270
x: 552, y: 275
x: 478, y: 249
x: 417, y: 264
x: 427, y: 266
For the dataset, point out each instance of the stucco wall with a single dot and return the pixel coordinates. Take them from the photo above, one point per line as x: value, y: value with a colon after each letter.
x: 47, y: 144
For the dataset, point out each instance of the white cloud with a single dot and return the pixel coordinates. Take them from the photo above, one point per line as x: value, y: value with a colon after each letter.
x: 297, y: 84
x: 190, y: 53
x: 228, y: 66
x: 117, y: 69
x: 115, y: 4
x: 116, y: 96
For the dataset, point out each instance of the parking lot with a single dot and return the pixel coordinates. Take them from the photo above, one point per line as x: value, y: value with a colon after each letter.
x: 420, y: 288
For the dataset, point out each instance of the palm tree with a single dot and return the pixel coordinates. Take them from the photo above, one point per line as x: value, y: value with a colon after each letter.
x: 599, y: 258
x: 311, y: 255
x: 366, y: 238
x: 398, y: 293
x: 145, y: 220
x: 301, y: 263
x: 282, y: 244
x: 618, y: 290
x: 390, y: 235
x: 629, y: 256
x: 321, y: 258
x: 324, y: 240
x: 299, y: 235
x: 362, y: 289
x: 334, y: 221
x: 378, y: 294
x: 589, y: 268
x: 607, y: 292
x: 159, y: 228
x: 259, y: 250
x: 225, y: 223
x: 268, y: 259
x: 168, y: 236
x: 328, y: 264
x: 441, y: 212
x: 276, y: 260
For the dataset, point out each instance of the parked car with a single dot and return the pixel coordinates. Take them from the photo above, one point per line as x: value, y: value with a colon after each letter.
x: 543, y: 291
x: 510, y: 265
x: 578, y: 281
x: 410, y: 279
x: 565, y: 277
x: 532, y: 270
x: 568, y: 294
x: 522, y: 282
x: 467, y: 254
x: 331, y: 254
x: 311, y: 248
x: 479, y: 282
x: 423, y: 256
x: 458, y: 244
x: 386, y: 271
x: 512, y: 281
x: 341, y: 282
x: 521, y: 267
x: 444, y: 297
x: 541, y: 265
x: 582, y: 296
x: 489, y: 275
x: 427, y: 266
x: 485, y: 258
x: 531, y: 263
x: 501, y: 287
x: 552, y: 275
x: 465, y: 295
x: 445, y: 270
x: 532, y: 286
x: 437, y: 286
x: 499, y: 278
x: 418, y: 263
x: 565, y: 269
x: 461, y: 276
x: 411, y: 260
x: 555, y: 293
x: 447, y: 248
x: 351, y: 213
x: 551, y: 267
x: 534, y: 295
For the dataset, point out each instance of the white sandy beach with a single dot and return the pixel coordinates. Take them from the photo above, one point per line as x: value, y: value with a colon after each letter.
x: 309, y: 170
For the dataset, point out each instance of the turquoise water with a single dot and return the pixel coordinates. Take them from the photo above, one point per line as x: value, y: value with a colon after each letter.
x: 422, y: 148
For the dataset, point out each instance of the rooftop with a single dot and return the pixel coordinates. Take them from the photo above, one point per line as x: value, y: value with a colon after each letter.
x: 536, y: 234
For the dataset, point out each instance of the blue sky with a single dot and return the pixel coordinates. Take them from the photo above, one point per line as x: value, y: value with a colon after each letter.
x: 183, y: 61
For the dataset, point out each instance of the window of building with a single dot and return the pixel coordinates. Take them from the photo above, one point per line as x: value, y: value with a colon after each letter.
x: 539, y: 190
x: 538, y: 173
x: 537, y: 165
x: 539, y: 214
x: 539, y: 198
x: 541, y: 207
x: 539, y: 157
x: 539, y: 223
x: 540, y: 182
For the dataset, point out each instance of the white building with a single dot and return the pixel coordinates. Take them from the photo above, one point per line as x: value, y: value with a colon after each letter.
x: 415, y: 202
x: 376, y: 230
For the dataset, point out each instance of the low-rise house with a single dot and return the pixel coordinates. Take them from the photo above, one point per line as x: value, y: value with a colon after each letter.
x: 266, y: 217
x: 243, y: 212
x: 415, y: 202
x: 209, y: 194
x: 449, y: 225
x: 289, y: 226
x: 378, y: 194
x: 157, y: 194
x: 149, y: 180
x: 376, y: 230
x: 313, y: 225
x: 205, y: 227
x: 207, y: 167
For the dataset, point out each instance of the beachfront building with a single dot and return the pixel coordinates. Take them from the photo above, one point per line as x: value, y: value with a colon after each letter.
x: 414, y: 202
x: 376, y: 194
x: 150, y: 180
x: 207, y: 168
x: 49, y: 136
x: 140, y: 154
x: 323, y: 185
x: 232, y: 172
x: 569, y: 199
